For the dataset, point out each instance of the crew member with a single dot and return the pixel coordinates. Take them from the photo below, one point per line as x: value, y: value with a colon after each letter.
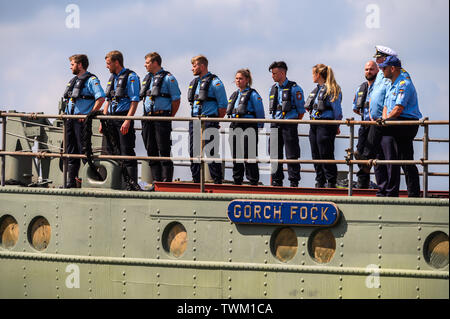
x: 285, y: 103
x: 401, y: 104
x: 84, y: 93
x: 376, y: 105
x: 245, y: 103
x: 361, y: 107
x: 122, y: 95
x: 324, y: 103
x: 161, y: 96
x: 380, y: 143
x: 208, y: 98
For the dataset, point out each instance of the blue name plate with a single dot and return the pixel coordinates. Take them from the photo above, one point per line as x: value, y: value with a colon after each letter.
x: 283, y: 213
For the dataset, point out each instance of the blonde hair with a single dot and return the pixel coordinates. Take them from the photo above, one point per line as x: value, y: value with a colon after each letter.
x: 246, y: 73
x: 201, y: 59
x: 333, y: 89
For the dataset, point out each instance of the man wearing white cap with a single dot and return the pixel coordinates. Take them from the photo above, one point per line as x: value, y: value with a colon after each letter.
x: 372, y: 148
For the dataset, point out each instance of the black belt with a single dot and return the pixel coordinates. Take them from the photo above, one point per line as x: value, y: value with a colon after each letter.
x: 158, y: 113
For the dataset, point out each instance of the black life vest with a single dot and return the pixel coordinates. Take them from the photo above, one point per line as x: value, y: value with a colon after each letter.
x: 202, y: 95
x: 121, y: 89
x: 286, y: 99
x: 74, y: 87
x: 156, y: 87
x: 362, y: 96
x: 323, y: 102
x: 145, y: 86
x: 241, y: 110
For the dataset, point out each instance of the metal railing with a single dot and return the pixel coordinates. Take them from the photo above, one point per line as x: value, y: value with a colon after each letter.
x: 349, y: 160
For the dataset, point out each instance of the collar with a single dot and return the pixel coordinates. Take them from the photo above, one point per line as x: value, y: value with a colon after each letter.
x: 160, y: 71
x: 244, y: 90
x: 209, y: 73
x: 122, y: 71
x: 398, y: 79
x: 284, y: 83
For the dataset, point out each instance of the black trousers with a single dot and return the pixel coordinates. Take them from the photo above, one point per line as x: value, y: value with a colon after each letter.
x: 388, y: 176
x: 287, y: 139
x: 404, y: 150
x: 243, y: 141
x: 74, y: 130
x: 321, y: 139
x: 363, y: 177
x: 158, y: 142
x: 215, y: 168
x: 404, y: 137
x: 373, y: 141
x: 126, y: 145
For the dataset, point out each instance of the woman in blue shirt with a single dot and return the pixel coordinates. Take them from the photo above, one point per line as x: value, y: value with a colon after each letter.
x: 324, y: 103
x: 243, y: 137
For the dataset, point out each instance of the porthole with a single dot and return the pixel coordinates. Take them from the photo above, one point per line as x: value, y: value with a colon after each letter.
x: 436, y: 249
x: 284, y: 244
x: 175, y: 239
x: 39, y: 233
x: 9, y: 232
x: 322, y: 246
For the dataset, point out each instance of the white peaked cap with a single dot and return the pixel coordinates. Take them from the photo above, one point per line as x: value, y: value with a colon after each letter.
x: 385, y: 50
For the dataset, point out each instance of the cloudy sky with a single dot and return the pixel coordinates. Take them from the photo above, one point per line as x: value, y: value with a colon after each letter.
x: 38, y: 36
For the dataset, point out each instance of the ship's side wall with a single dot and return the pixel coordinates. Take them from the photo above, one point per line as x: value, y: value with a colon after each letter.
x: 110, y: 244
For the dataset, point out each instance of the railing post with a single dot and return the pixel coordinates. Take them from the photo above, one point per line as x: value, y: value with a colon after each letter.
x: 350, y: 166
x: 3, y: 170
x: 202, y: 169
x: 425, y: 157
x: 64, y: 150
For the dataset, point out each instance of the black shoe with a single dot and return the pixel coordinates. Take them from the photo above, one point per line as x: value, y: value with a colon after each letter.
x: 320, y: 185
x: 294, y: 184
x: 254, y: 183
x: 362, y: 185
x: 277, y: 183
x: 237, y: 182
x: 218, y: 181
x: 331, y: 185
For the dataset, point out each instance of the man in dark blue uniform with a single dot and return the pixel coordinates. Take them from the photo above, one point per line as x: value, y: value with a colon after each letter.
x: 122, y: 93
x: 286, y: 101
x: 361, y: 107
x: 84, y: 94
x: 208, y: 98
x: 161, y: 96
x: 401, y: 104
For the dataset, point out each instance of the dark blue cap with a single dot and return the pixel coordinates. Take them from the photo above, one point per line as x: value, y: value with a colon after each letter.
x: 391, y: 61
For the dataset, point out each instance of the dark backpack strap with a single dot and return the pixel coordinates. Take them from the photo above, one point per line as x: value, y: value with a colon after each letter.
x: 362, y: 95
x: 273, y: 99
x: 231, y: 102
x: 145, y: 86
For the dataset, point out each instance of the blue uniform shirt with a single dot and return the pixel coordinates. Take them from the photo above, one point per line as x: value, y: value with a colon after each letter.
x: 93, y: 88
x: 133, y: 88
x: 365, y: 115
x: 297, y: 102
x: 216, y: 89
x: 402, y: 92
x: 378, y: 94
x: 255, y: 105
x: 168, y: 86
x: 334, y: 114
